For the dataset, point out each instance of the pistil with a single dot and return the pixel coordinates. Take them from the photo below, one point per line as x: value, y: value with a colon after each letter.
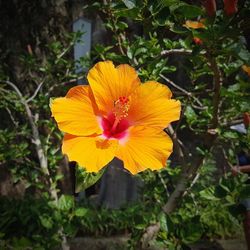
x: 115, y: 125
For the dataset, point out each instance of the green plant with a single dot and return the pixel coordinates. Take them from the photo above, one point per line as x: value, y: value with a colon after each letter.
x: 194, y: 197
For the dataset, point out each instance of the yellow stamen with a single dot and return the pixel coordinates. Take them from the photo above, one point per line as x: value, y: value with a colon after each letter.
x: 120, y: 110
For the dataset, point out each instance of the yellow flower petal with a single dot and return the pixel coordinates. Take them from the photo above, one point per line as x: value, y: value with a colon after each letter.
x: 75, y: 112
x: 194, y: 25
x: 109, y: 83
x: 151, y: 106
x: 158, y: 89
x: 128, y: 79
x: 92, y: 153
x: 246, y: 69
x: 144, y: 148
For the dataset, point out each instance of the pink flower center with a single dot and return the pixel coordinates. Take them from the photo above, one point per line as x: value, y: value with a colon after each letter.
x: 115, y: 125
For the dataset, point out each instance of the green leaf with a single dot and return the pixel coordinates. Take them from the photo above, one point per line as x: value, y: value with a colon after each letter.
x: 81, y: 212
x: 167, y: 3
x: 230, y: 135
x: 239, y: 50
x: 228, y: 184
x: 245, y: 192
x: 232, y: 67
x: 234, y: 87
x: 85, y: 180
x: 220, y: 192
x: 243, y: 178
x: 129, y: 13
x: 188, y: 11
x: 178, y: 29
x: 21, y: 243
x: 46, y: 221
x: 162, y: 17
x: 129, y: 53
x: 155, y: 6
x: 65, y: 202
x: 208, y: 194
x: 163, y: 222
x: 141, y: 50
x: 190, y: 114
x: 130, y: 4
x: 140, y: 226
x: 51, y: 100
x: 169, y: 224
x: 191, y: 231
x: 122, y: 25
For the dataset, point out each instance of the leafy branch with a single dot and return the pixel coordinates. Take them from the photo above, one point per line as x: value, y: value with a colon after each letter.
x: 189, y: 171
x: 41, y: 154
x: 35, y: 137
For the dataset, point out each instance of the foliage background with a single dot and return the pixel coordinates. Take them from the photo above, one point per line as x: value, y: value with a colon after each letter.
x: 195, y: 197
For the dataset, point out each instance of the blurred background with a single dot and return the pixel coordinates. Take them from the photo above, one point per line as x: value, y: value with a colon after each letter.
x: 200, y: 200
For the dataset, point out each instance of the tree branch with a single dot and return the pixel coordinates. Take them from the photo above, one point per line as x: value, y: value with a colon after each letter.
x: 11, y: 117
x: 189, y: 172
x: 176, y: 51
x: 36, y: 137
x: 62, y: 84
x: 36, y: 92
x: 40, y: 152
x: 179, y: 151
x: 182, y: 185
x: 150, y: 232
x: 217, y: 86
x: 189, y: 94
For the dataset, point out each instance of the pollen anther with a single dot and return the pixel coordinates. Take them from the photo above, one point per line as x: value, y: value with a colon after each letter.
x: 121, y: 108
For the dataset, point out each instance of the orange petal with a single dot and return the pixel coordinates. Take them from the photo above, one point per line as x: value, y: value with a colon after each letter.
x: 92, y: 153
x: 246, y: 69
x: 109, y: 83
x: 194, y: 25
x: 151, y: 106
x: 128, y: 79
x: 75, y: 113
x: 144, y: 148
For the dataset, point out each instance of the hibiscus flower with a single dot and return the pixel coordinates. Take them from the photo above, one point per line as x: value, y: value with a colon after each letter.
x: 246, y: 69
x: 194, y: 24
x: 116, y: 116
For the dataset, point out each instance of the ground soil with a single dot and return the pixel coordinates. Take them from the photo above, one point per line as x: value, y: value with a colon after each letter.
x: 119, y: 243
